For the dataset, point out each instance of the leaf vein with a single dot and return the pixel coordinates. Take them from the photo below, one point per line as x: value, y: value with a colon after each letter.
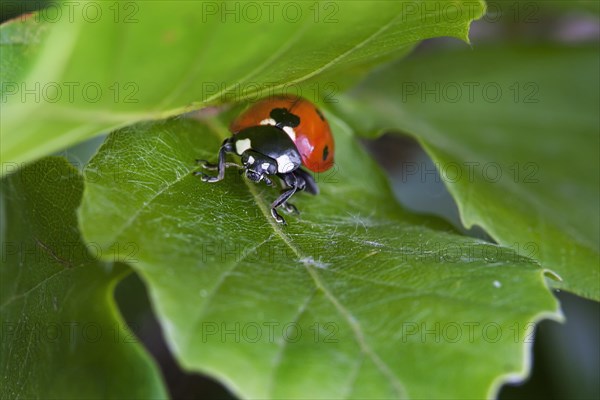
x: 218, y: 285
x: 279, y: 356
x: 216, y: 128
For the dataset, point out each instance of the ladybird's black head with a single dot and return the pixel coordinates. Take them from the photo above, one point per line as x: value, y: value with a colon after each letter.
x: 258, y: 165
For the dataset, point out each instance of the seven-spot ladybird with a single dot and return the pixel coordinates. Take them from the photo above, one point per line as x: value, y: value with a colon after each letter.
x: 277, y: 136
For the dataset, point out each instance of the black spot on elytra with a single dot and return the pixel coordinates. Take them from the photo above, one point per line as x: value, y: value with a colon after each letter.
x: 320, y: 114
x: 283, y: 117
x: 325, y: 153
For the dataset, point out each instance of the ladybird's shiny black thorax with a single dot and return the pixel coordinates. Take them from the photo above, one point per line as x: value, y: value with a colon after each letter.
x: 264, y: 146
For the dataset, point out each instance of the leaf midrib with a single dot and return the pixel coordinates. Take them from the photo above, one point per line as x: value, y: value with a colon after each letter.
x: 216, y: 128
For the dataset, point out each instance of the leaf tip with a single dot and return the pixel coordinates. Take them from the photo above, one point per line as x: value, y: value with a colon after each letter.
x: 477, y: 12
x: 548, y: 273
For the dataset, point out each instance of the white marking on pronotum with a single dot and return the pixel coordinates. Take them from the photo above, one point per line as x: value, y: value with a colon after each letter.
x: 268, y: 121
x: 251, y: 160
x: 265, y: 165
x: 290, y: 132
x: 284, y: 164
x: 242, y: 145
x: 287, y: 129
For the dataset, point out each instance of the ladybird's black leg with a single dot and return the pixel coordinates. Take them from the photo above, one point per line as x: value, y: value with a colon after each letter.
x: 226, y: 147
x: 214, y: 167
x: 280, y: 200
x: 205, y: 163
x: 288, y: 181
x: 293, y: 182
x: 300, y: 184
x: 310, y: 184
x: 290, y: 208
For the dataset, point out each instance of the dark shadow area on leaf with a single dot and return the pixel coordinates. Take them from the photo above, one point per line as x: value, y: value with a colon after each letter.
x: 134, y: 305
x: 566, y: 357
x: 14, y: 9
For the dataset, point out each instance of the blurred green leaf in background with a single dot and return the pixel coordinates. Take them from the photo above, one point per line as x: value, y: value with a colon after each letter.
x: 517, y: 147
x: 100, y: 65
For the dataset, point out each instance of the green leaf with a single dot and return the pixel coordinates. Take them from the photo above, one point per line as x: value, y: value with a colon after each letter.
x: 109, y: 64
x: 516, y: 141
x: 354, y: 298
x: 62, y: 336
x: 532, y: 8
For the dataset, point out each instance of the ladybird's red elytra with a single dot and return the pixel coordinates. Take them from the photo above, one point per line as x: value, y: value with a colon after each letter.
x: 313, y: 136
x: 277, y: 137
